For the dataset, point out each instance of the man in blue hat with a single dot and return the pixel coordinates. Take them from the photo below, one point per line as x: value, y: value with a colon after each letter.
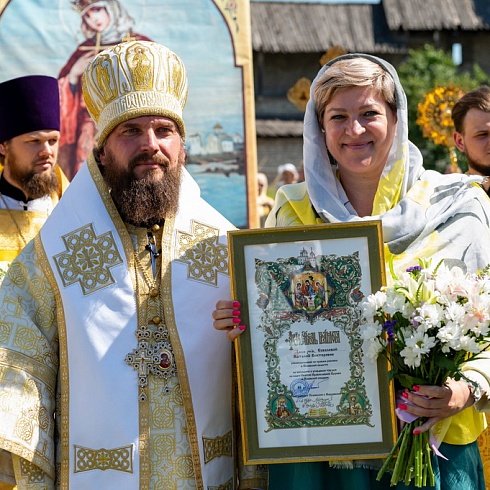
x: 31, y: 182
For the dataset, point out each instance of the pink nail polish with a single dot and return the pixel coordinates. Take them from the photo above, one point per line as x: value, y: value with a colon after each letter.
x: 416, y: 388
x: 236, y: 320
x: 402, y: 406
x: 235, y: 312
x: 242, y: 327
x: 236, y: 304
x: 416, y: 432
x: 405, y: 394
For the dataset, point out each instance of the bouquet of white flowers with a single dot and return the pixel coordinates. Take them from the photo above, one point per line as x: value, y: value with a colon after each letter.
x: 427, y: 324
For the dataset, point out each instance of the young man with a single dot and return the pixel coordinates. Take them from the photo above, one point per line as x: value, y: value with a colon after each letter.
x: 30, y: 181
x: 471, y: 117
x: 116, y: 336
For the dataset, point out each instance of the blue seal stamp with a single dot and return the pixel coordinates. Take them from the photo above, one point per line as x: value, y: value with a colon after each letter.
x: 300, y: 388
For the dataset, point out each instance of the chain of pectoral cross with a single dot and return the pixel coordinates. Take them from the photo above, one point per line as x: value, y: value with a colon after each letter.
x: 154, y: 353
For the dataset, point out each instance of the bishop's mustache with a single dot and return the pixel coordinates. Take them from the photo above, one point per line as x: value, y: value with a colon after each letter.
x: 146, y: 159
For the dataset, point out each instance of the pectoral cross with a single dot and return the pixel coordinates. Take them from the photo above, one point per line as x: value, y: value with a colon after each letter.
x: 143, y: 359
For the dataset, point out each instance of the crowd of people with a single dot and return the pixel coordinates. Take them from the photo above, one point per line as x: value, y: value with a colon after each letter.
x: 108, y: 379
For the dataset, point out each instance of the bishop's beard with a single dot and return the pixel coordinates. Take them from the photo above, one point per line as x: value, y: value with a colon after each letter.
x: 148, y: 200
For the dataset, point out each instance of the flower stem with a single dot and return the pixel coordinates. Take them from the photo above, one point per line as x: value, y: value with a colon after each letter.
x: 400, y: 463
x: 389, y: 460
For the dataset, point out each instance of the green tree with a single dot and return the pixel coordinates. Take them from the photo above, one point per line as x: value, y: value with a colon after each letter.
x: 424, y: 69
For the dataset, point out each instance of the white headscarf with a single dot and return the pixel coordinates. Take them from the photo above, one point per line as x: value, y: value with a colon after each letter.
x: 121, y: 23
x: 423, y: 213
x: 325, y: 191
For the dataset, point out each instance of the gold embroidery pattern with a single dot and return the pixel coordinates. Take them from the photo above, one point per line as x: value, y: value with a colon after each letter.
x: 227, y: 486
x: 217, y: 447
x: 62, y: 389
x: 5, y: 332
x: 171, y: 455
x: 28, y: 365
x: 87, y: 259
x: 31, y: 472
x: 118, y: 459
x: 203, y: 253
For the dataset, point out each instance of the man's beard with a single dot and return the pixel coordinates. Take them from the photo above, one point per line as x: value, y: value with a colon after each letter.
x: 34, y: 185
x: 479, y: 167
x: 148, y: 200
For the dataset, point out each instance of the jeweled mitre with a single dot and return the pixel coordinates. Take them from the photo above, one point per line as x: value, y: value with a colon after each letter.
x: 133, y: 79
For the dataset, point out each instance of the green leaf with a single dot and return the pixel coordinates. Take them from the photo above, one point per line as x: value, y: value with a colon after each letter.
x: 446, y: 363
x: 408, y: 381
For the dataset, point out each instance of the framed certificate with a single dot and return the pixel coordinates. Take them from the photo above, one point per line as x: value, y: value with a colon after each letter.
x: 306, y: 391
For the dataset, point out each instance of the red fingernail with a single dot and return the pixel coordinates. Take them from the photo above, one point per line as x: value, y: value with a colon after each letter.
x: 416, y: 388
x: 405, y: 394
x: 237, y: 320
x: 242, y: 327
x: 402, y: 406
x: 416, y: 432
x: 236, y: 304
x: 235, y: 312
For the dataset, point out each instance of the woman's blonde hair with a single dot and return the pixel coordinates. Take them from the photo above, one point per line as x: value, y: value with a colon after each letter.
x: 353, y: 72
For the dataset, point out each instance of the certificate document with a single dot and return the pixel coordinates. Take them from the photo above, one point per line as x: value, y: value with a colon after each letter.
x: 309, y: 380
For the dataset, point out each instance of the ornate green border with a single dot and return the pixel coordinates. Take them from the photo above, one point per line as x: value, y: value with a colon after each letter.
x: 277, y: 314
x: 280, y: 309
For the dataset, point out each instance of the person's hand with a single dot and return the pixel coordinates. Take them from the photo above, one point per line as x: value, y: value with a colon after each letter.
x: 437, y: 402
x: 79, y: 66
x: 227, y: 318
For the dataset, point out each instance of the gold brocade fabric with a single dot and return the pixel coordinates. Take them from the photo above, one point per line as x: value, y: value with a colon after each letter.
x: 31, y: 384
x: 171, y: 461
x: 11, y: 243
x: 29, y: 361
x: 484, y: 445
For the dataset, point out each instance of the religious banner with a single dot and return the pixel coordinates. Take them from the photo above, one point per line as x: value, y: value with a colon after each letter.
x: 213, y: 39
x: 306, y: 390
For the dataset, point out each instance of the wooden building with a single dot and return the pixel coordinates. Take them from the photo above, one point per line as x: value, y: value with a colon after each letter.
x: 289, y: 40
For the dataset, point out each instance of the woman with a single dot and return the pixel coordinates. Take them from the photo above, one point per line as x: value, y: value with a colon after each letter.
x: 359, y: 164
x: 104, y: 23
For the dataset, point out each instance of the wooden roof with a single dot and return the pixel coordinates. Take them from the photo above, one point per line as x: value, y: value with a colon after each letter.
x: 284, y: 27
x: 421, y: 15
x: 277, y: 128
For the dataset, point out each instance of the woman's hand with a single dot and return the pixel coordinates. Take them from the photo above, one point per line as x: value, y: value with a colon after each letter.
x: 227, y: 318
x: 437, y: 402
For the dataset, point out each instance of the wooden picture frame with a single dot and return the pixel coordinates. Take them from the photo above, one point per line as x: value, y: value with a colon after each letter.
x: 306, y: 392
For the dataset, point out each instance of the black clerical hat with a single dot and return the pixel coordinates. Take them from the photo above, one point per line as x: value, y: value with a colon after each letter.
x: 29, y: 103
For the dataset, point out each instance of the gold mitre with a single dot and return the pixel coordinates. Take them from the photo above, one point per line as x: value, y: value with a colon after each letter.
x: 133, y: 79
